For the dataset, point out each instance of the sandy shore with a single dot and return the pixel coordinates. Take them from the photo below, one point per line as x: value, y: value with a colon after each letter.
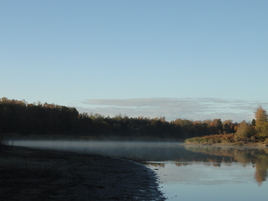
x: 28, y: 174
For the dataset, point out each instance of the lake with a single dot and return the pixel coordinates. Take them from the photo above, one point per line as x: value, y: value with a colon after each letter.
x: 186, y: 172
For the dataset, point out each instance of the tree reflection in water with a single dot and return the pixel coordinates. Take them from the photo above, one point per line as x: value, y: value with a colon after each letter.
x: 258, y: 157
x: 216, y: 156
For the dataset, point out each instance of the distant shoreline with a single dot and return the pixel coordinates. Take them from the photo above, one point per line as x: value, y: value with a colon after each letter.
x: 227, y: 140
x: 248, y: 145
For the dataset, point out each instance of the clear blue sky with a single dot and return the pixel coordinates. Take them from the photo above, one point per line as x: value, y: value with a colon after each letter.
x: 180, y: 59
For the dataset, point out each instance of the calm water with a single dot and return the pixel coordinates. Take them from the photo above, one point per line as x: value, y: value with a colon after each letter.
x: 186, y: 172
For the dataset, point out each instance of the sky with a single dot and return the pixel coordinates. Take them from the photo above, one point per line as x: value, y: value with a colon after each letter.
x: 178, y: 59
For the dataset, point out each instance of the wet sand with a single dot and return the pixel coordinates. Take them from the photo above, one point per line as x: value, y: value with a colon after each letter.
x: 29, y: 174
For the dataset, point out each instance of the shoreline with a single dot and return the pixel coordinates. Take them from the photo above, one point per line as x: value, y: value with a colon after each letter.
x: 33, y: 174
x: 248, y: 145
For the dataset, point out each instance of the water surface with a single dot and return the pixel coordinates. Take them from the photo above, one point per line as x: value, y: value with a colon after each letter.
x: 186, y: 172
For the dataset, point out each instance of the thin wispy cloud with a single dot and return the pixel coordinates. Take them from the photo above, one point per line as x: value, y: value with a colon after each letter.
x: 173, y: 108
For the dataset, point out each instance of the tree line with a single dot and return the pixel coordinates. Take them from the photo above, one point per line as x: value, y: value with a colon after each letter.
x: 49, y: 119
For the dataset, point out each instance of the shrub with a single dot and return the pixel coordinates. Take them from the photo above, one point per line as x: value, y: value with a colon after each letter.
x: 210, y: 141
x: 226, y: 141
x: 244, y: 131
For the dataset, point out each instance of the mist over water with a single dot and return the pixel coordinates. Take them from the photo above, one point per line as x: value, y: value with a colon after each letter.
x: 141, y: 151
x: 185, y: 172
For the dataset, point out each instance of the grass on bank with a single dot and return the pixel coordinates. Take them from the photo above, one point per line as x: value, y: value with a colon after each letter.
x: 211, y: 139
x: 229, y: 139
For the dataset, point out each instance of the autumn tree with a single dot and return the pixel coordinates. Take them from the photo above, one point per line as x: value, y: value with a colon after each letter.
x: 261, y: 122
x: 244, y: 131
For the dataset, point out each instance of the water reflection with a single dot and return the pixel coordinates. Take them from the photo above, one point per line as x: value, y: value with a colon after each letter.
x: 214, y: 173
x: 257, y: 157
x: 218, y: 156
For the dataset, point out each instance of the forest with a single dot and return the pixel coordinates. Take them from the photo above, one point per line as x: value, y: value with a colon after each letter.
x: 24, y: 118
